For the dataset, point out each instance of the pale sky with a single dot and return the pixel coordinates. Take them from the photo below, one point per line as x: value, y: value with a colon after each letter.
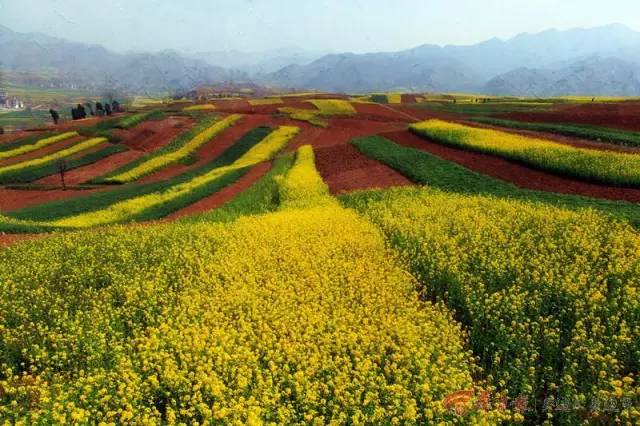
x: 317, y: 25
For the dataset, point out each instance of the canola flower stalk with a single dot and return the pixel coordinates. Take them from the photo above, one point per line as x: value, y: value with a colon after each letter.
x: 67, y: 152
x: 606, y: 167
x: 118, y: 212
x: 161, y: 161
x: 37, y: 145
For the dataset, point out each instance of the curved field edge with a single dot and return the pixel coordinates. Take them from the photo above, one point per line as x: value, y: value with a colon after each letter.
x: 160, y: 203
x: 605, y: 167
x: 316, y: 320
x: 98, y: 201
x: 172, y: 147
x: 427, y: 169
x: 23, y: 147
x: 32, y: 174
x: 597, y: 133
x: 549, y: 296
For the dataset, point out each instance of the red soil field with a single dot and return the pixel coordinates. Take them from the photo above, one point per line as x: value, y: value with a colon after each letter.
x: 226, y: 194
x: 622, y: 115
x: 236, y: 106
x: 90, y: 171
x: 13, y: 199
x: 12, y: 136
x: 58, y: 146
x: 345, y: 169
x: 341, y: 165
x: 519, y: 175
x: 408, y: 98
x: 7, y: 239
x: 380, y: 112
x: 153, y: 134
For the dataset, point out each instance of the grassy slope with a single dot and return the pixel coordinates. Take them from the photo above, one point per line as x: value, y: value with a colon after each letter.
x: 598, y: 133
x: 428, y: 169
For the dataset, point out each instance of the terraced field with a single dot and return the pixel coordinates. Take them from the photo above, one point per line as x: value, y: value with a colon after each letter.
x: 321, y: 259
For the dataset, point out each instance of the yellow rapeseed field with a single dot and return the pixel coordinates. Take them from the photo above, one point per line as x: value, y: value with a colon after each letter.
x: 272, y: 319
x: 201, y: 107
x: 265, y: 101
x: 550, y: 297
x: 333, y: 107
x: 606, y: 167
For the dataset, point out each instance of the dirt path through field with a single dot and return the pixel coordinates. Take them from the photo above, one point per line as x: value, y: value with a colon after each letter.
x: 519, y: 175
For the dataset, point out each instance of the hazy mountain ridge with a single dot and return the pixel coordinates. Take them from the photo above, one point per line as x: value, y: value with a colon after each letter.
x: 597, y: 61
x: 550, y: 63
x: 91, y: 66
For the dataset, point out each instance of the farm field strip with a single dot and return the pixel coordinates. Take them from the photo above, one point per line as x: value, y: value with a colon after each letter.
x: 161, y: 159
x: 611, y: 168
x: 271, y: 311
x: 445, y: 174
x: 13, y: 172
x: 331, y: 107
x: 265, y: 101
x: 202, y: 107
x: 134, y: 119
x: 94, y: 202
x: 193, y: 189
x: 532, y: 284
x: 394, y: 98
x: 597, y: 133
x: 26, y: 147
x: 71, y: 164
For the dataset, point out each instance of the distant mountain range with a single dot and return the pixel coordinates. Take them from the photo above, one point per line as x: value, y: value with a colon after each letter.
x: 93, y: 67
x: 597, y: 61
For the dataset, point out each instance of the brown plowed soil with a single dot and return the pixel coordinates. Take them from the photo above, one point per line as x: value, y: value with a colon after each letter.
x: 288, y: 103
x: 151, y: 135
x: 341, y: 165
x: 213, y: 148
x: 236, y: 106
x: 13, y: 199
x: 622, y: 115
x: 90, y: 171
x: 408, y: 98
x: 12, y: 136
x: 8, y: 239
x: 380, y: 112
x: 340, y: 131
x: 226, y: 194
x: 519, y: 175
x: 345, y: 169
x: 58, y: 146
